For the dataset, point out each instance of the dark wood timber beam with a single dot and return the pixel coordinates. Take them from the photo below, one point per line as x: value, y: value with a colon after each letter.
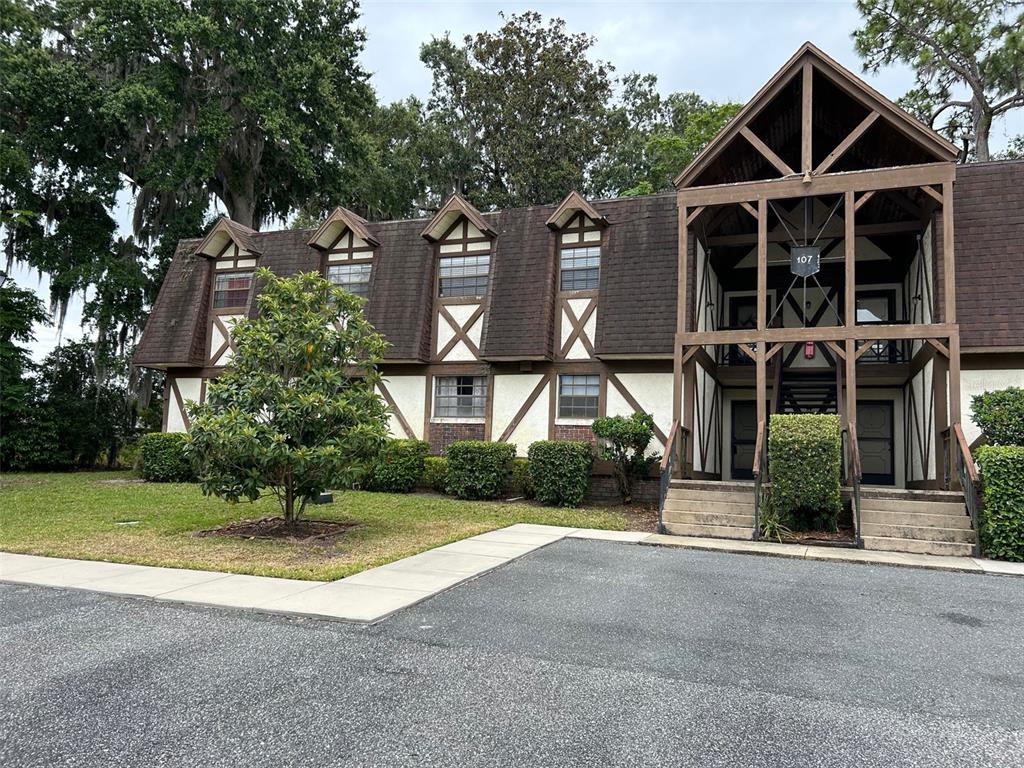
x: 845, y: 144
x: 840, y: 333
x: 766, y: 152
x: 806, y: 117
x: 863, y: 200
x: 833, y: 231
x: 902, y: 177
x: 936, y: 196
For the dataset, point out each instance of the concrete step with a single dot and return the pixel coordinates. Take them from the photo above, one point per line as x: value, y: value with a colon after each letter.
x: 907, y: 507
x: 882, y: 492
x: 922, y: 520
x: 714, y: 531
x: 710, y: 504
x: 739, y: 497
x: 918, y: 547
x: 719, y: 486
x: 708, y: 518
x: 921, y: 533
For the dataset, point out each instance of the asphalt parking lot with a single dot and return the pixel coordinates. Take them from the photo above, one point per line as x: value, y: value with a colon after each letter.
x: 581, y: 653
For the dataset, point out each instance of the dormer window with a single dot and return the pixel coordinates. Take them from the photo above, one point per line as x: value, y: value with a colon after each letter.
x: 463, y: 275
x: 580, y: 268
x: 578, y: 227
x: 354, y: 278
x: 231, y: 290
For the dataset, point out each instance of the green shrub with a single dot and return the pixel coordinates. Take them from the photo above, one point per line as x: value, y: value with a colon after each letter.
x: 804, y: 461
x: 1000, y: 415
x: 399, y: 467
x: 520, y: 483
x: 435, y: 473
x: 560, y: 470
x: 625, y: 443
x: 1002, y: 515
x: 478, y: 469
x: 162, y: 458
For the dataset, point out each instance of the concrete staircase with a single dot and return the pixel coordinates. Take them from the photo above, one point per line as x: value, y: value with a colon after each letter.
x: 921, y: 522
x: 723, y: 510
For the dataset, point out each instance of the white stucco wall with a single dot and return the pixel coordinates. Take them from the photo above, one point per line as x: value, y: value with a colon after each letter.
x: 190, y: 389
x: 652, y: 391
x: 510, y: 392
x: 409, y: 394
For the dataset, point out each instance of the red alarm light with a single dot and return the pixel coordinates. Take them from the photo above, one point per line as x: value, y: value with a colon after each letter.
x: 809, y: 350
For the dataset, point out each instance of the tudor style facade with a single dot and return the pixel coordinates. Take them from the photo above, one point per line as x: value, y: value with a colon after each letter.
x: 825, y: 253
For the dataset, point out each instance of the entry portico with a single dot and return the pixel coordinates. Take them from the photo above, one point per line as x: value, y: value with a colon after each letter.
x: 825, y: 214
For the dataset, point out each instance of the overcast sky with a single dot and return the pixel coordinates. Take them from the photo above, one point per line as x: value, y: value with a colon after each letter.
x: 722, y: 50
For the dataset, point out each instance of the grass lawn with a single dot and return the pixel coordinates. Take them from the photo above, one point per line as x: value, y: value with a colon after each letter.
x: 82, y: 515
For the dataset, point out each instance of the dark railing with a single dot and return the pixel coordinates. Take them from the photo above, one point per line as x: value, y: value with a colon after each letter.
x: 760, y: 470
x: 853, y: 473
x: 673, y: 458
x: 958, y: 459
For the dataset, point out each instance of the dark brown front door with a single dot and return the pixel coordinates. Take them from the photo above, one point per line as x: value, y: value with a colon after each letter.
x: 744, y: 437
x: 875, y: 438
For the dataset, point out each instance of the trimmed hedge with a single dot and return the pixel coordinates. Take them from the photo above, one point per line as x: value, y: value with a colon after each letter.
x: 399, y: 467
x: 435, y: 473
x: 1000, y: 415
x: 520, y: 483
x: 1002, y: 514
x: 560, y: 470
x: 162, y: 458
x: 804, y: 463
x: 478, y: 469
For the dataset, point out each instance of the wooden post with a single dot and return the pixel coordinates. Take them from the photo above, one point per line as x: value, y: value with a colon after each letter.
x: 954, y: 378
x: 807, y: 158
x: 679, y: 379
x: 851, y: 382
x: 940, y: 366
x: 689, y: 387
x: 850, y: 245
x: 762, y: 385
x: 762, y: 265
x: 948, y: 261
x: 677, y: 382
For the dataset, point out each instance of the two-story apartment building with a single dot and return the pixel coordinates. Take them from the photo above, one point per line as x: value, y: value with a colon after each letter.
x: 825, y: 253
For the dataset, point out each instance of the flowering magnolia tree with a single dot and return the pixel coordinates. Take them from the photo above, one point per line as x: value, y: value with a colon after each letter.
x: 295, y: 411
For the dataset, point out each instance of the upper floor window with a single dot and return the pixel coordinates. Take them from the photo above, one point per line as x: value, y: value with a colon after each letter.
x: 354, y: 278
x: 578, y: 396
x: 231, y: 289
x: 580, y: 268
x: 463, y: 275
x: 463, y: 397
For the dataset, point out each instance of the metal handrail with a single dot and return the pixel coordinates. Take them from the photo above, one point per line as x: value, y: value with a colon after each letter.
x: 674, y: 453
x: 759, y: 470
x: 968, y: 476
x: 855, y: 474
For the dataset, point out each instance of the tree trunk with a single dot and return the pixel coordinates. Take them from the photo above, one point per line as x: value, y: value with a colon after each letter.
x: 981, y: 119
x: 289, y: 503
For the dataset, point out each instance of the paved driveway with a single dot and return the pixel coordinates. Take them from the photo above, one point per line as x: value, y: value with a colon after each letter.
x: 583, y: 653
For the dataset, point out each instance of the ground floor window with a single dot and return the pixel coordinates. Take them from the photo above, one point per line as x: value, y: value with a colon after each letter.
x: 460, y: 397
x: 578, y: 396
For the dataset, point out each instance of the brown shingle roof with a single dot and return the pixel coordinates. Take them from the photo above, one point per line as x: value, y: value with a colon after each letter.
x: 988, y: 200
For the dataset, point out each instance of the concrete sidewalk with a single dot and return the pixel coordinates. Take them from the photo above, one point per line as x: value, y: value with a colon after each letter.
x: 364, y: 597
x: 372, y: 595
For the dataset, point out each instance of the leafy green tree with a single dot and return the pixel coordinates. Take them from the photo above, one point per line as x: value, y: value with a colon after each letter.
x: 650, y: 139
x: 625, y: 442
x: 968, y: 56
x: 521, y: 106
x: 295, y: 411
x: 20, y: 310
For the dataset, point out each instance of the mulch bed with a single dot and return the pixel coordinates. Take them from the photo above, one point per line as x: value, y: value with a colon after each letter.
x: 841, y: 538
x: 303, y: 532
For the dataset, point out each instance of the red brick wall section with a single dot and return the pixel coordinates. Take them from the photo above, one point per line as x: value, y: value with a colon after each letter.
x: 575, y: 432
x: 443, y: 434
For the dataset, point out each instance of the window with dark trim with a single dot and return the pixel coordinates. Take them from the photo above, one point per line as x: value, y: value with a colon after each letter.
x: 231, y: 289
x: 463, y: 275
x: 460, y: 397
x: 580, y: 268
x: 354, y: 278
x: 578, y: 396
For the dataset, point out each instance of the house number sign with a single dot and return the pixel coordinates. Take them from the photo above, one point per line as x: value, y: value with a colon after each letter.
x: 805, y: 261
